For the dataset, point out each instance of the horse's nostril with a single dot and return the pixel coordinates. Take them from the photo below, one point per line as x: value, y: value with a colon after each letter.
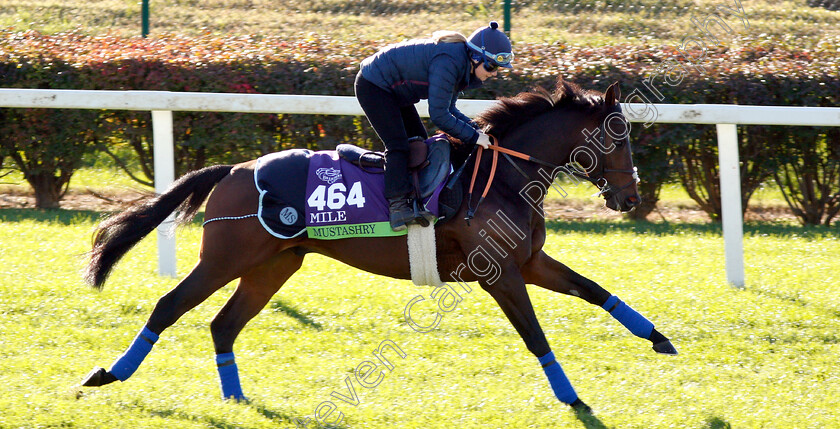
x: 633, y: 201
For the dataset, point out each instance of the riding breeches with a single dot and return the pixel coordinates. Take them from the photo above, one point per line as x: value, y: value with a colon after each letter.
x: 394, y: 124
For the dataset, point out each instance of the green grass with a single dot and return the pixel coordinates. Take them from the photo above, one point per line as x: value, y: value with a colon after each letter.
x: 568, y: 21
x: 765, y: 356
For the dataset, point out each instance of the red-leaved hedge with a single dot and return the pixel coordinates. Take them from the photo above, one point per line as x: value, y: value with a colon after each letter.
x: 747, y: 71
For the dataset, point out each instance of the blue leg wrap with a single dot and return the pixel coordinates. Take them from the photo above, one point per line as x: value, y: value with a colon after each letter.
x: 631, y: 319
x: 560, y: 384
x: 229, y: 375
x: 128, y: 362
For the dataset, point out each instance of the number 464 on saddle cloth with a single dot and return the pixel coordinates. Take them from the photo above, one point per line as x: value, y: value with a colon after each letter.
x: 341, y: 200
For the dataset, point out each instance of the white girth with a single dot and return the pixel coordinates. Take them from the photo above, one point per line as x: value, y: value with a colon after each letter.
x: 422, y: 255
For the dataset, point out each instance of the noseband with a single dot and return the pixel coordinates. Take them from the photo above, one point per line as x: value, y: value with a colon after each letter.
x: 601, y: 182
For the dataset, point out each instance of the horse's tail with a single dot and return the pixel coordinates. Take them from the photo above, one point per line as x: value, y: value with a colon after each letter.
x: 116, y: 235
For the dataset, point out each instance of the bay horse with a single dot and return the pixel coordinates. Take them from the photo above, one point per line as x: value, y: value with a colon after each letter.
x: 544, y: 129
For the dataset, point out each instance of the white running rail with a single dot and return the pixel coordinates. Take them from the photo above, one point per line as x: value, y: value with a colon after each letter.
x: 163, y: 103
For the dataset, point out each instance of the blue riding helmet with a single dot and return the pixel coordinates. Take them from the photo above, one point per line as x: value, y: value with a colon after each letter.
x: 491, y: 45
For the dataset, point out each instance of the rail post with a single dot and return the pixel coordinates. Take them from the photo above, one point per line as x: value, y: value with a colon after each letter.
x: 164, y: 148
x: 730, y: 203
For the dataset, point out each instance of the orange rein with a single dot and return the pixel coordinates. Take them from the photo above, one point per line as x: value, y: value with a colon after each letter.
x: 496, y: 148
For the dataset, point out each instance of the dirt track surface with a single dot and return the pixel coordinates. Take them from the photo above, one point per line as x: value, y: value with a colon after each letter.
x: 74, y: 201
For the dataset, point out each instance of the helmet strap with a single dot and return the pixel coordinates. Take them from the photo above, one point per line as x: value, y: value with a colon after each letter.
x: 476, y: 63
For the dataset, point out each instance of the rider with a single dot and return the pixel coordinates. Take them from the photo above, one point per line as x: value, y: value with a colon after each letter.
x: 437, y: 69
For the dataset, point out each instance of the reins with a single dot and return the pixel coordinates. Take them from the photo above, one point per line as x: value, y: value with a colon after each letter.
x: 497, y: 148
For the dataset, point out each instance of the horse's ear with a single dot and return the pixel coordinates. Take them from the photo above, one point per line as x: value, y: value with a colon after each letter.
x: 613, y: 95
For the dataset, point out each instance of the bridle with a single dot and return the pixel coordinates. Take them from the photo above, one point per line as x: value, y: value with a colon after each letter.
x: 607, y: 189
x: 601, y: 182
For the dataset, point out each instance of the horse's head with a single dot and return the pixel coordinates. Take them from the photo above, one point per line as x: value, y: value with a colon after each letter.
x: 603, y: 154
x: 572, y: 130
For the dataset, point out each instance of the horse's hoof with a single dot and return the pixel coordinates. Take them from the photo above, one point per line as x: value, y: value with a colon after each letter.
x: 665, y: 347
x: 580, y: 407
x: 98, y: 377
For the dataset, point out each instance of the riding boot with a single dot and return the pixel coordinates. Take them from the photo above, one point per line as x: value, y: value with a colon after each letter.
x: 421, y: 215
x: 397, y: 186
x: 401, y: 212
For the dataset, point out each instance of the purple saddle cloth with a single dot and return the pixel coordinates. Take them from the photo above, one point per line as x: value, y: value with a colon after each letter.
x: 324, y: 196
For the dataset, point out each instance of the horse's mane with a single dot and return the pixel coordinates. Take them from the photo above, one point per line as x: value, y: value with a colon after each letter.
x: 512, y: 111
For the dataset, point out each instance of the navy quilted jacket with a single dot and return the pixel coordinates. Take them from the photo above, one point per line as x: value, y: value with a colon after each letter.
x: 422, y: 69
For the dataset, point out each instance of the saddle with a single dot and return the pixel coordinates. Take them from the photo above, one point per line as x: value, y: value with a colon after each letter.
x: 428, y: 162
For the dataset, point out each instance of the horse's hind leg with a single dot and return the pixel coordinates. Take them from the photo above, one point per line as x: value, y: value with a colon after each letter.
x: 197, y: 286
x: 227, y: 252
x: 254, y: 291
x: 548, y: 273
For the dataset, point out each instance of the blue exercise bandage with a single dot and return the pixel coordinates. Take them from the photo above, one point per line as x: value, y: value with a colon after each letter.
x: 128, y: 362
x: 631, y: 319
x: 560, y: 384
x: 229, y: 375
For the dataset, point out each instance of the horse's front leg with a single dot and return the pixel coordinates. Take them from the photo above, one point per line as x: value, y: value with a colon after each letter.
x: 510, y: 293
x: 548, y: 273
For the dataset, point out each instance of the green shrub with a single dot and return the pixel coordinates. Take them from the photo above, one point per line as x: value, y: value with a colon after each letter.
x: 753, y: 71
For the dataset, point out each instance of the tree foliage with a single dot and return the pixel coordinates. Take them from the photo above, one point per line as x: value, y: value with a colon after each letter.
x: 751, y: 71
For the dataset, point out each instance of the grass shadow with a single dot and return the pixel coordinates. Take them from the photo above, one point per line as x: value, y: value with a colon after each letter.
x: 292, y: 312
x: 285, y: 419
x: 589, y: 420
x: 717, y: 423
x: 59, y: 216
x: 790, y: 297
x: 183, y: 416
x: 276, y: 417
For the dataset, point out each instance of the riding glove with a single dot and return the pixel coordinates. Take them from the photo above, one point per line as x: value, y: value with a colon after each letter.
x: 483, y: 140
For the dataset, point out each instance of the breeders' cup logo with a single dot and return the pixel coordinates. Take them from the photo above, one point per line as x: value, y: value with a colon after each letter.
x: 329, y: 175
